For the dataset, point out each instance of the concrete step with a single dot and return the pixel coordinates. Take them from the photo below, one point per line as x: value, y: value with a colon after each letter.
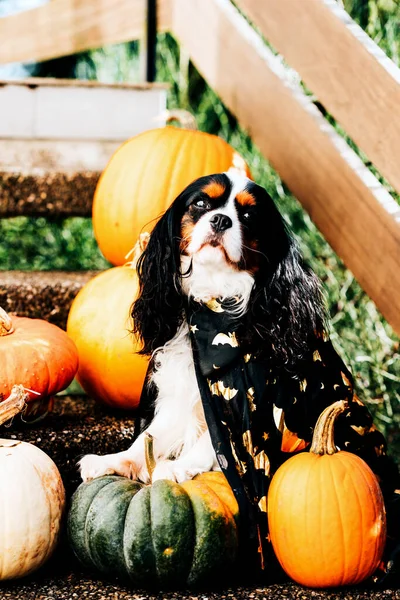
x: 56, y: 136
x: 78, y: 426
x: 41, y: 294
x: 50, y: 177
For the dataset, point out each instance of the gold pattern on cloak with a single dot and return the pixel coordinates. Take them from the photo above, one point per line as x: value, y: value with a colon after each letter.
x: 380, y: 450
x: 215, y: 306
x: 218, y: 389
x: 279, y: 418
x: 262, y: 504
x: 316, y: 356
x: 250, y: 398
x: 303, y: 385
x: 261, y: 461
x: 223, y: 338
x: 363, y: 430
x: 194, y: 328
x: 345, y: 379
x: 247, y: 357
x: 240, y: 465
x: 357, y: 400
x: 290, y: 441
x: 248, y: 442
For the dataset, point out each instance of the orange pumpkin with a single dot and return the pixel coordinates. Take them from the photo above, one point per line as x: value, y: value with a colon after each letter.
x: 37, y: 355
x: 99, y: 322
x: 326, y: 513
x: 143, y: 178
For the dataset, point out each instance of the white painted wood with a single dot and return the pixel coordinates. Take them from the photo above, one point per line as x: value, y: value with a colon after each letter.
x: 68, y: 111
x: 17, y: 111
x: 37, y: 157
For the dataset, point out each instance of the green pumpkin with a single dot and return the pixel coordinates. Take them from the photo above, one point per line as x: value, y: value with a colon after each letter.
x: 165, y: 534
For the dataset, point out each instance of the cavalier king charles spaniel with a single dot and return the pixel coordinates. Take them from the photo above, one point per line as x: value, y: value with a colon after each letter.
x: 222, y: 238
x: 241, y: 364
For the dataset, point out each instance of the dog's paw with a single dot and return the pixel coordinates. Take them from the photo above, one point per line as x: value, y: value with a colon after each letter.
x: 175, y: 470
x: 92, y: 466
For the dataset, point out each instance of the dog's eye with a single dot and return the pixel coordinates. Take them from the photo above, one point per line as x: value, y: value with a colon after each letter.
x: 201, y: 203
x: 247, y: 216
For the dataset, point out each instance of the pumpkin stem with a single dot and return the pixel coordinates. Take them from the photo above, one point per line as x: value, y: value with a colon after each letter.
x: 137, y: 250
x: 6, y: 326
x: 14, y: 404
x: 323, y: 439
x: 185, y: 118
x: 149, y: 454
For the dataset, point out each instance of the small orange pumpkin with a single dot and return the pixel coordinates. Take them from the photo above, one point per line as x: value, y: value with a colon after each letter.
x: 326, y: 513
x: 36, y: 354
x: 100, y: 324
x: 143, y: 178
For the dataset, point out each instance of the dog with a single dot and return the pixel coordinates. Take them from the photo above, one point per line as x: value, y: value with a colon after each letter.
x: 241, y: 363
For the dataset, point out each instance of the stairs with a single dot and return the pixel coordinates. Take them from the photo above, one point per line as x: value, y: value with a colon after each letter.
x: 42, y: 294
x: 56, y: 137
x: 49, y: 168
x: 78, y: 426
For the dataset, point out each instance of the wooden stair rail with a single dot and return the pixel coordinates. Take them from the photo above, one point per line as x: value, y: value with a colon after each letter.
x: 351, y: 208
x: 348, y: 73
x: 64, y: 27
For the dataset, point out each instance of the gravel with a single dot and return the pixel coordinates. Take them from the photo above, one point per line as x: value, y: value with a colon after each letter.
x: 41, y: 294
x: 51, y: 193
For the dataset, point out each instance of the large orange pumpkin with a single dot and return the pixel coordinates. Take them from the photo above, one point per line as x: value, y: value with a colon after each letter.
x: 143, y: 178
x: 36, y: 354
x: 100, y: 324
x: 326, y: 513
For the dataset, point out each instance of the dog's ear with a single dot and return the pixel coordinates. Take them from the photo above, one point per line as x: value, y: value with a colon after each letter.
x: 287, y: 309
x: 157, y: 312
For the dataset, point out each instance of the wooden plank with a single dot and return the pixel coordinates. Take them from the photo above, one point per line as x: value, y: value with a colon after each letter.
x: 64, y: 27
x: 357, y: 216
x: 28, y: 156
x: 350, y: 75
x: 54, y: 110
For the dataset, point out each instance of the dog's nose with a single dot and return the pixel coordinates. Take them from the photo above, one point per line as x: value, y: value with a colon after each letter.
x: 220, y: 222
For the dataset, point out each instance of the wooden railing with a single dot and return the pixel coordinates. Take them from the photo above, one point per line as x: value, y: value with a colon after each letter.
x: 68, y: 26
x: 341, y: 66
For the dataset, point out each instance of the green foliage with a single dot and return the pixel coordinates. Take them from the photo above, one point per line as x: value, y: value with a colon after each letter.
x: 42, y: 244
x: 381, y: 20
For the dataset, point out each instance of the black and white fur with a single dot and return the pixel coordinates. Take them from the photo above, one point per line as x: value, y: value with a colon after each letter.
x: 213, y: 242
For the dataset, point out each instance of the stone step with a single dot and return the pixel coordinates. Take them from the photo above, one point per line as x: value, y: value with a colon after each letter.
x: 56, y: 137
x: 50, y: 178
x: 78, y: 426
x: 41, y: 294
